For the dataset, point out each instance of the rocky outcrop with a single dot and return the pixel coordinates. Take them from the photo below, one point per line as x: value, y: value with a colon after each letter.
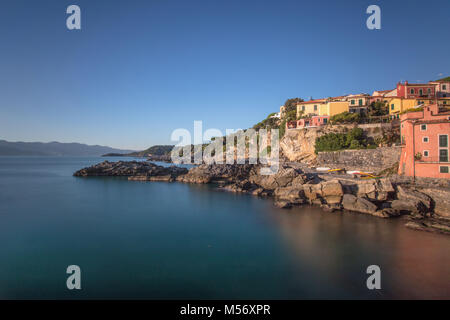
x: 218, y: 173
x: 330, y: 192
x: 430, y: 224
x: 136, y: 170
x: 440, y: 198
x: 377, y: 190
x: 286, y: 176
x: 353, y: 203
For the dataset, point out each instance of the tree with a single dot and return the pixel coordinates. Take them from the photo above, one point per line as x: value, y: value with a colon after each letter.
x: 378, y: 108
x: 291, y: 104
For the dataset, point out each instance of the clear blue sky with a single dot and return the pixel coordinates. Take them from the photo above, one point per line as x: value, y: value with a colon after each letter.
x: 139, y: 69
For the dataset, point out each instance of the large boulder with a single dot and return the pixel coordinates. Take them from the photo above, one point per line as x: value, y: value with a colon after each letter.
x: 409, y: 206
x: 285, y: 176
x: 330, y: 192
x: 441, y: 200
x: 404, y: 193
x: 292, y: 194
x: 378, y: 190
x: 353, y: 203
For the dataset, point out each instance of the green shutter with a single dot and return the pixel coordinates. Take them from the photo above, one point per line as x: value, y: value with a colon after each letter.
x: 443, y: 141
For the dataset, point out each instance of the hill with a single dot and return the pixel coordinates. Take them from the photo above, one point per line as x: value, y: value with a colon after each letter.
x: 158, y: 150
x: 54, y: 149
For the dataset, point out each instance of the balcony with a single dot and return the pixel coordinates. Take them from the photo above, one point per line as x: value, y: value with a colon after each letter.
x: 433, y: 160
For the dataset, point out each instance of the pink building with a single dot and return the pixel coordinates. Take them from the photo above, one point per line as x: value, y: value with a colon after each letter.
x: 415, y: 90
x: 442, y: 88
x: 314, y: 121
x: 425, y: 143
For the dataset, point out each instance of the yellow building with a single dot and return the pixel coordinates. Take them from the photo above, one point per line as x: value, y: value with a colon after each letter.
x: 332, y: 108
x: 398, y: 105
x: 310, y: 108
x: 321, y: 107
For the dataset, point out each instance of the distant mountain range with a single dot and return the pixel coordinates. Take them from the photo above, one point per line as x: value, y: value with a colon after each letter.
x: 54, y: 149
x: 159, y: 150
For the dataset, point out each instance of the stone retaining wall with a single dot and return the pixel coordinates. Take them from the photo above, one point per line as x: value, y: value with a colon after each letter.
x: 370, y: 159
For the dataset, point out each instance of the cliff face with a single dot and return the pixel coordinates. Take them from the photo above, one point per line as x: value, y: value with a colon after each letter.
x: 298, y: 145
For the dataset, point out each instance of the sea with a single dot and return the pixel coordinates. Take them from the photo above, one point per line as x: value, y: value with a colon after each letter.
x: 159, y: 240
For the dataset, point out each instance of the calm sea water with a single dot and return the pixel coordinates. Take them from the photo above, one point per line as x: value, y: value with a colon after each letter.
x: 170, y: 240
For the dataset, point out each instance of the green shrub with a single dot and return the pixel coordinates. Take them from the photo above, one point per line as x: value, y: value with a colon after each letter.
x: 345, y: 117
x: 353, y: 139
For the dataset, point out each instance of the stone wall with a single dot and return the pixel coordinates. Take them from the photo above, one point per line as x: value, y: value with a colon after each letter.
x: 370, y: 159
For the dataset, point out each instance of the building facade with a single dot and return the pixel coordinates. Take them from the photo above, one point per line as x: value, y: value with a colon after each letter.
x: 357, y: 103
x: 310, y: 108
x: 442, y: 88
x: 415, y: 90
x: 313, y: 121
x: 425, y: 143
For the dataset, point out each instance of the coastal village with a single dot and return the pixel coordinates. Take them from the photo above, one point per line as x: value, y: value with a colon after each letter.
x: 419, y: 112
x: 384, y: 155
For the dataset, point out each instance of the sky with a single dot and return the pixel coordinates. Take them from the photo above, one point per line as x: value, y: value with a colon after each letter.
x: 137, y: 70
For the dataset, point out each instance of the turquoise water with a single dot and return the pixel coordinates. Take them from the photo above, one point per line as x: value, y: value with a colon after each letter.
x: 171, y: 240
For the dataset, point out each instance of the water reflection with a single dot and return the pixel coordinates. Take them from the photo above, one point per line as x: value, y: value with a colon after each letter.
x: 337, y: 248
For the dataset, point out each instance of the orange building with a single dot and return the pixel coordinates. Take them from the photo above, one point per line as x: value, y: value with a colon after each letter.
x: 425, y: 143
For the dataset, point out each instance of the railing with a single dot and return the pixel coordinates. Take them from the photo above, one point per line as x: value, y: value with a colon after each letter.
x: 433, y: 159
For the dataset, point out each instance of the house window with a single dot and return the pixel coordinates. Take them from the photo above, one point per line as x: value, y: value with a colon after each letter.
x: 392, y: 106
x: 444, y: 87
x: 443, y: 169
x: 360, y: 102
x: 425, y: 139
x: 423, y: 127
x: 443, y: 141
x: 421, y: 92
x: 353, y: 102
x: 315, y: 107
x: 303, y: 108
x: 443, y: 155
x: 429, y: 90
x: 412, y: 91
x: 425, y: 153
x: 325, y: 120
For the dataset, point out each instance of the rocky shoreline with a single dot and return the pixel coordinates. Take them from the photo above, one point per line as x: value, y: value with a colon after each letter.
x: 425, y: 208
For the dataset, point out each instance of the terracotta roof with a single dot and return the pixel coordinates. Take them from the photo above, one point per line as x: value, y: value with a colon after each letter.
x: 384, y: 91
x: 417, y: 84
x: 312, y: 101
